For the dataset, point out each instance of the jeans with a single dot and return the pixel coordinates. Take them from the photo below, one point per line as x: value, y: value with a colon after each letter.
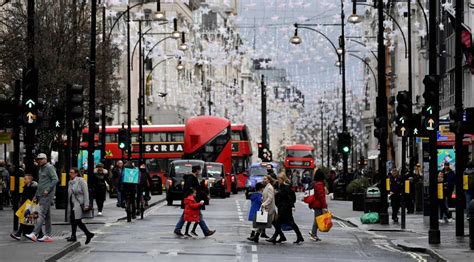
x: 44, y: 215
x: 202, y: 224
x: 443, y: 208
x: 119, y: 198
x: 314, y: 230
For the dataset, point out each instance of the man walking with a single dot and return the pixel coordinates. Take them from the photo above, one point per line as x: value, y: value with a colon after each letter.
x: 47, y: 180
x: 116, y: 175
x: 191, y: 181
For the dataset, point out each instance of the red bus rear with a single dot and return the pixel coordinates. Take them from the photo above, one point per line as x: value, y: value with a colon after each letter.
x: 241, y: 153
x: 208, y: 138
x: 299, y: 163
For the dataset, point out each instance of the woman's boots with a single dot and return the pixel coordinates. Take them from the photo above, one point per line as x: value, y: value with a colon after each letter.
x: 254, y: 236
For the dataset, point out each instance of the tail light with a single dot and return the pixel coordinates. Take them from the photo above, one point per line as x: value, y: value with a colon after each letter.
x: 222, y: 182
x: 170, y: 183
x: 206, y: 183
x: 233, y: 179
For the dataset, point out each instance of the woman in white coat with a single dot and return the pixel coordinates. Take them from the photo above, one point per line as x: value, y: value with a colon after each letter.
x: 78, y: 196
x: 268, y: 204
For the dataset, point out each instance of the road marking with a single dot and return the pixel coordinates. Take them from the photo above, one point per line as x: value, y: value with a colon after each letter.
x: 254, y: 257
x: 254, y: 248
x: 239, y: 211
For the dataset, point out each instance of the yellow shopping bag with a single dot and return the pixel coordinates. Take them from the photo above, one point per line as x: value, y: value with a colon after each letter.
x: 324, y: 222
x: 20, y: 213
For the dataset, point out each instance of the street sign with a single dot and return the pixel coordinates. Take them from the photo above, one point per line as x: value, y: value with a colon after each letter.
x: 5, y: 138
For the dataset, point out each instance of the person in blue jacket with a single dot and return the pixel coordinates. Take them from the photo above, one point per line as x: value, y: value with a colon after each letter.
x: 256, y: 199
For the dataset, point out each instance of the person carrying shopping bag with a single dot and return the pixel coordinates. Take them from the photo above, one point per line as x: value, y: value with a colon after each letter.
x: 78, y: 197
x: 267, y: 208
x: 318, y: 204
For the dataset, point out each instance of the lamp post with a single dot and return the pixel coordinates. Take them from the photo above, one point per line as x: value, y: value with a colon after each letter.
x: 343, y: 65
x: 92, y: 75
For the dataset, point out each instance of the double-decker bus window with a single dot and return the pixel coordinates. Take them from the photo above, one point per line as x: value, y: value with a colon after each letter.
x: 236, y: 135
x: 238, y: 164
x: 158, y: 137
x: 210, y: 151
x: 299, y: 153
x: 111, y: 138
x: 134, y: 138
x: 176, y: 137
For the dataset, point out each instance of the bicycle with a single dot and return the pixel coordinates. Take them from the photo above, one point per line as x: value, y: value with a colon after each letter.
x: 129, y: 206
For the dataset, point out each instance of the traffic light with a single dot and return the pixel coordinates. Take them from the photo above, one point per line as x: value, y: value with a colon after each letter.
x: 344, y: 143
x: 267, y: 155
x: 30, y: 96
x: 403, y: 113
x: 431, y: 109
x: 455, y: 120
x: 123, y: 138
x: 260, y: 150
x: 75, y: 98
x: 57, y: 119
x: 380, y: 125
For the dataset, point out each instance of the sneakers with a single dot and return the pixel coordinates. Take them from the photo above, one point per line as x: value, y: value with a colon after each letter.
x: 99, y: 214
x: 194, y: 233
x: 31, y: 237
x: 188, y: 235
x: 46, y: 239
x: 315, y: 238
x: 210, y: 233
x: 15, y: 236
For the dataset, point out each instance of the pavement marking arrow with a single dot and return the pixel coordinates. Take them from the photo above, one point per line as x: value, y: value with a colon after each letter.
x: 30, y: 103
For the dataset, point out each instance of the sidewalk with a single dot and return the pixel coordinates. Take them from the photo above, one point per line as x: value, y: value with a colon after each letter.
x: 415, y: 236
x: 25, y: 250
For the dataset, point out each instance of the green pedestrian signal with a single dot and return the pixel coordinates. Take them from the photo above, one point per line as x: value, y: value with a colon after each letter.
x: 344, y: 143
x: 123, y: 139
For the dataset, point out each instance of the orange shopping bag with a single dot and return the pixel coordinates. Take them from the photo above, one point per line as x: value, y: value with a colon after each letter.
x: 324, y: 222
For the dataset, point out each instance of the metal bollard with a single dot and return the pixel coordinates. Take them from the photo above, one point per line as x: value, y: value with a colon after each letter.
x: 471, y: 224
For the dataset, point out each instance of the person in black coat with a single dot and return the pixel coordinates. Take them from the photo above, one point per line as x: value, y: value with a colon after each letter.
x: 99, y: 186
x: 285, y: 199
x: 29, y: 192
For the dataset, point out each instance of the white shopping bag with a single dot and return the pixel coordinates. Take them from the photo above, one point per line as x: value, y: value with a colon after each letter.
x: 262, y: 216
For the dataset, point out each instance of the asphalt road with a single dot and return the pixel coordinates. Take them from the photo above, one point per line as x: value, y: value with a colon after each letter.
x: 152, y: 239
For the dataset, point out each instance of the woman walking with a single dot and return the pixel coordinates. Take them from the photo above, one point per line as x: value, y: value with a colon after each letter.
x: 285, y: 201
x: 319, y: 204
x: 268, y: 204
x: 78, y: 195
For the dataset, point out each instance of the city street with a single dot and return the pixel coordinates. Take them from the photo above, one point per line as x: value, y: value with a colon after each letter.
x: 153, y: 240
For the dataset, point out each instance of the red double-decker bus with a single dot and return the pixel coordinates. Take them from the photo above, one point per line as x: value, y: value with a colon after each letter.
x: 241, y: 154
x: 299, y: 162
x: 208, y: 138
x: 162, y: 144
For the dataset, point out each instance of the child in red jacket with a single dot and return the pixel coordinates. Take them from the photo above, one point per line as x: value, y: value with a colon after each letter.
x: 191, y: 211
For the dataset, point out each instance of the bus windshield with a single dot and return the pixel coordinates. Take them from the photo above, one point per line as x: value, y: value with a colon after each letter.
x: 299, y: 153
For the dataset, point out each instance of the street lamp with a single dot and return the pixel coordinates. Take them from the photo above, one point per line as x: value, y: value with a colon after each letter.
x: 295, y: 39
x: 159, y: 15
x: 339, y: 51
x: 180, y: 66
x: 354, y: 18
x: 338, y: 63
x: 175, y: 34
x: 183, y: 46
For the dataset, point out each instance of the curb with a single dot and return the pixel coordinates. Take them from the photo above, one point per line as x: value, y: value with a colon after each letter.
x: 345, y: 221
x: 424, y: 250
x: 64, y: 251
x: 149, y: 206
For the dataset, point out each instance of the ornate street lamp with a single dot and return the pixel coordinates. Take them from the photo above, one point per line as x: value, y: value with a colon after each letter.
x: 180, y: 66
x: 175, y: 34
x: 183, y: 46
x: 295, y: 39
x: 159, y: 15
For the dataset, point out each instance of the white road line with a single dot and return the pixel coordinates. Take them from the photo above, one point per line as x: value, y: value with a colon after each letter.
x: 254, y: 257
x: 254, y: 248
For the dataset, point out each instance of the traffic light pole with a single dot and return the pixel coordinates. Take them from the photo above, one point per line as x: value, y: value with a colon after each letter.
x: 16, y: 158
x: 382, y: 114
x: 458, y: 104
x: 433, y: 233
x: 92, y: 74
x: 404, y: 178
x: 343, y: 66
x: 264, y: 111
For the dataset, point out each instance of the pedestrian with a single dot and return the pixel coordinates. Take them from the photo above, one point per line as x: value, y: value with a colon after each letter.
x: 268, y: 204
x: 469, y: 172
x: 285, y: 199
x: 143, y: 187
x: 319, y: 204
x: 192, y: 210
x: 128, y: 191
x: 395, y: 194
x: 256, y: 203
x: 99, y: 184
x: 78, y: 197
x: 47, y: 180
x: 270, y: 171
x: 116, y: 175
x: 4, y: 178
x: 449, y: 180
x: 29, y: 192
x: 191, y: 181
